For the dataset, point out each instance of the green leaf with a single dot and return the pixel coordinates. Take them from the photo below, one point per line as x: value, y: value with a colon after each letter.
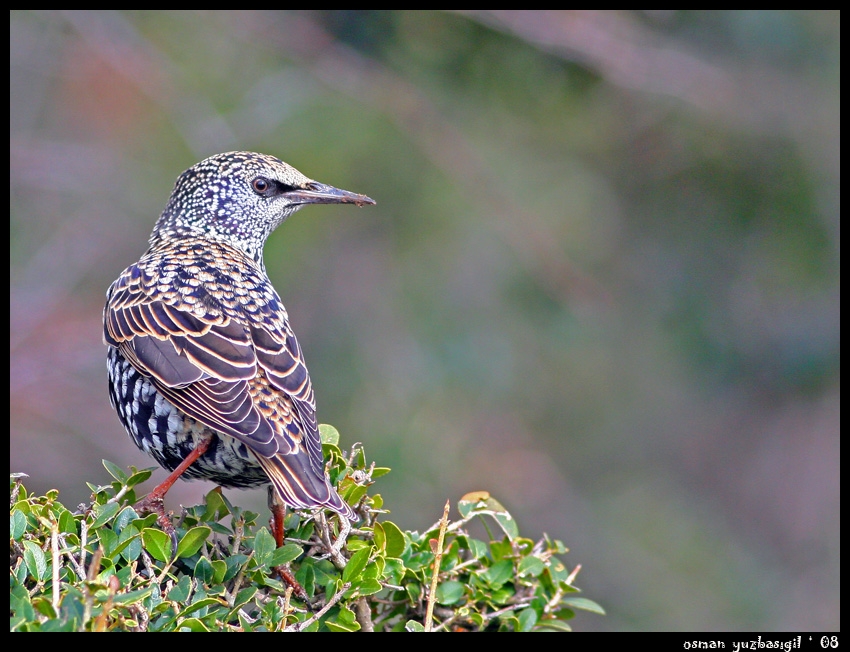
x: 583, y: 603
x: 306, y: 576
x: 157, y: 543
x: 115, y: 471
x: 346, y: 615
x: 181, y: 591
x: 380, y: 539
x: 500, y: 549
x: 554, y: 625
x: 355, y: 493
x: 127, y: 516
x: 204, y: 570
x: 531, y: 566
x: 23, y: 506
x: 558, y: 571
x: 356, y: 564
x: 502, y: 595
x: 369, y: 587
x: 527, y: 619
x: 499, y: 573
x: 192, y: 625
x: 103, y: 514
x: 413, y: 590
x: 147, y: 521
x: 393, y: 570
x: 198, y: 605
x: 508, y: 622
x: 395, y: 539
x: 354, y: 545
x: 44, y: 607
x: 35, y: 560
x: 285, y: 554
x: 17, y: 524
x: 244, y: 596
x: 108, y: 541
x: 329, y: 434
x: 129, y: 538
x: 132, y: 596
x: 507, y: 523
x: 482, y: 503
x: 234, y: 564
x: 414, y: 626
x: 450, y: 592
x: 192, y: 541
x: 478, y: 548
x: 335, y: 626
x: 139, y: 477
x: 129, y: 543
x: 471, y: 502
x: 264, y: 546
x: 216, y: 506
x: 219, y: 571
x: 20, y: 604
x: 67, y: 522
x: 245, y: 624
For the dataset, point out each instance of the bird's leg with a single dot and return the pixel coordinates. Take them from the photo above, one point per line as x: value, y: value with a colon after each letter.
x: 154, y: 503
x: 278, y: 510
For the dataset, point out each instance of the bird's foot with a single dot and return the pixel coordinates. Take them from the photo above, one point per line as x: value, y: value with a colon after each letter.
x: 153, y: 503
x: 284, y: 572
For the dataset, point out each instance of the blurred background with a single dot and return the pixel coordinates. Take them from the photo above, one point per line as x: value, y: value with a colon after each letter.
x: 601, y: 280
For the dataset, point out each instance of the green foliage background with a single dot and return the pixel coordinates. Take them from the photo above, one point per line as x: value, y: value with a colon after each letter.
x: 601, y: 282
x: 106, y: 568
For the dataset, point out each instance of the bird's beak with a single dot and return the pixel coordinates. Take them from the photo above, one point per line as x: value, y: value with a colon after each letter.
x: 318, y: 193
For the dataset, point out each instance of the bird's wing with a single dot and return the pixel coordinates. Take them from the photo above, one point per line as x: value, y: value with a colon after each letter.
x: 247, y: 380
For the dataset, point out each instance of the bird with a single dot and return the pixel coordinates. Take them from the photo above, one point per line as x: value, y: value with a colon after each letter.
x: 205, y: 372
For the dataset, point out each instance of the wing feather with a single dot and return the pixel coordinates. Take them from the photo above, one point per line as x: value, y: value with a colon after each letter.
x: 244, y: 377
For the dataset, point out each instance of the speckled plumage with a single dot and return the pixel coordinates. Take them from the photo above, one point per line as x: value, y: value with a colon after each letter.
x: 200, y: 345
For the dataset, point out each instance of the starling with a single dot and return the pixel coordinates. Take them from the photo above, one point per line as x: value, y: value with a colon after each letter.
x: 204, y: 369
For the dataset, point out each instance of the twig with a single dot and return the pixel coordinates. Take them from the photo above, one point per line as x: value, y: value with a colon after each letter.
x: 79, y: 570
x: 88, y: 603
x: 13, y: 494
x: 237, y: 582
x: 572, y: 576
x: 552, y: 605
x: 333, y: 547
x: 84, y: 533
x: 297, y: 627
x: 54, y: 549
x: 438, y: 558
x: 287, y: 596
x: 363, y: 615
x: 117, y: 497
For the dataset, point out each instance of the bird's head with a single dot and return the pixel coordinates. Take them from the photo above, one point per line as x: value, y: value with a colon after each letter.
x: 240, y: 198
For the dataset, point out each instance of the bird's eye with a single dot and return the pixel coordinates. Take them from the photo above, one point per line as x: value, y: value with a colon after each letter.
x: 261, y: 185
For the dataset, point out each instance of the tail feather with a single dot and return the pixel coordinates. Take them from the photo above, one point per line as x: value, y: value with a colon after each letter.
x: 298, y: 485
